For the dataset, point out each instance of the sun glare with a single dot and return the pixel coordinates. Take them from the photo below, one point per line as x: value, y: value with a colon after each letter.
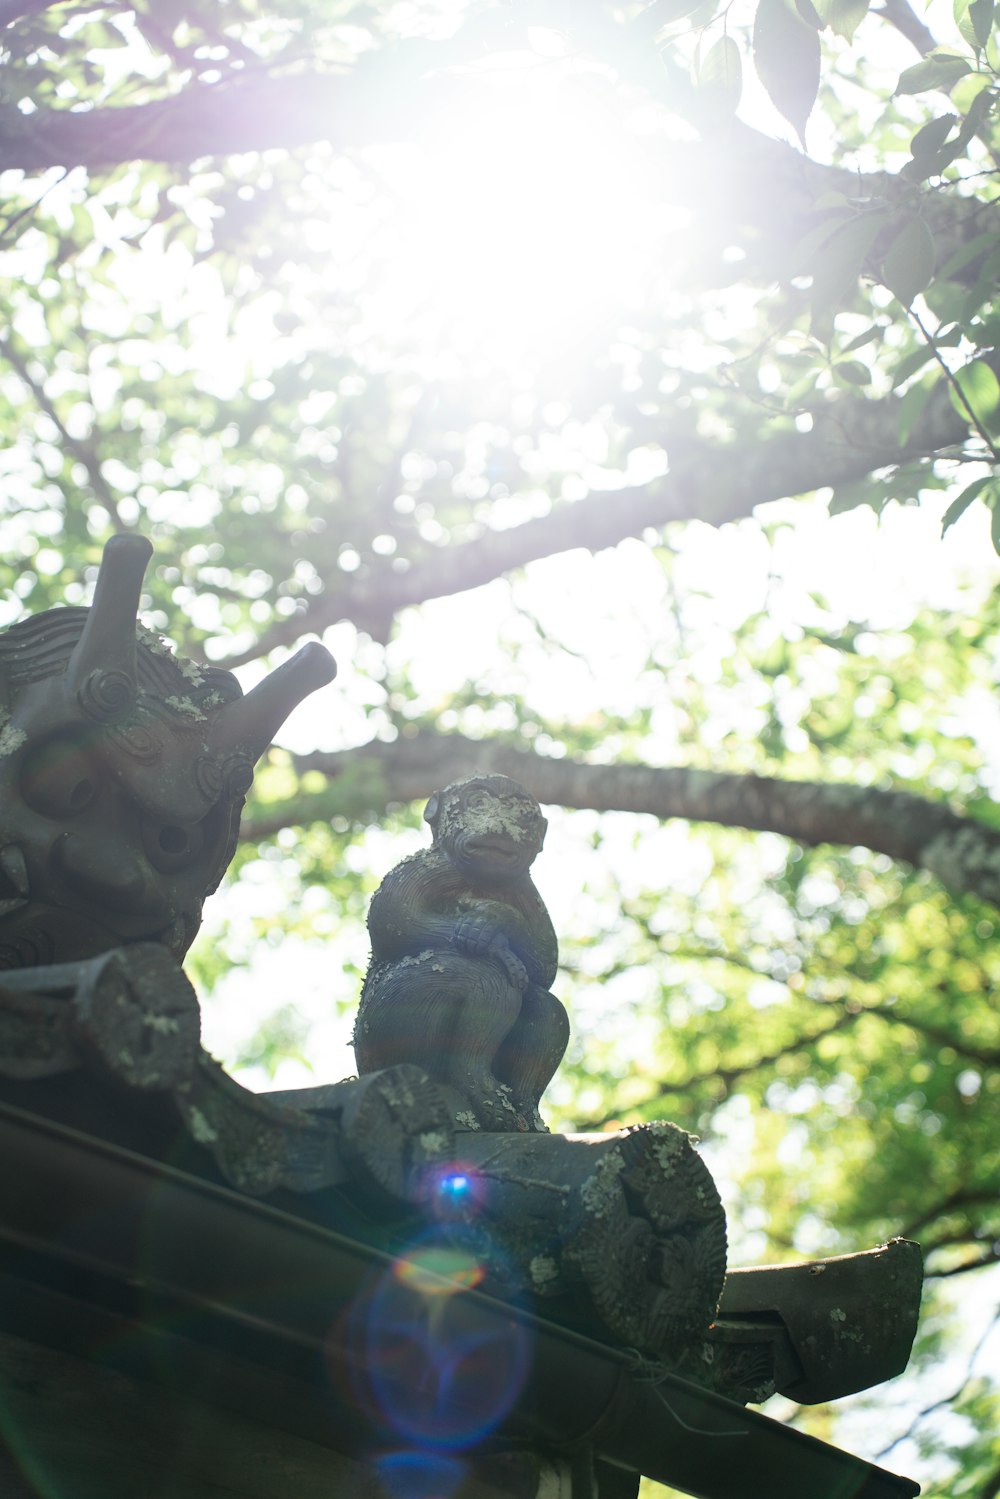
x: 529, y: 226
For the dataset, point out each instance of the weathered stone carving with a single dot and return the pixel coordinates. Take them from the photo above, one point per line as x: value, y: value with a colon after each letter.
x: 122, y: 774
x: 123, y: 770
x: 628, y: 1225
x: 463, y: 953
x: 130, y: 1019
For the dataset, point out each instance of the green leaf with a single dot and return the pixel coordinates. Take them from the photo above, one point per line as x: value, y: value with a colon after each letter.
x: 786, y: 54
x: 801, y: 256
x: 911, y: 406
x: 979, y: 386
x: 852, y: 496
x: 980, y: 15
x: 720, y: 77
x: 909, y: 264
x: 969, y: 88
x: 832, y: 200
x: 960, y: 505
x: 975, y: 247
x: 939, y: 70
x: 869, y: 336
x: 842, y: 16
x: 838, y: 263
x: 852, y: 372
x: 933, y: 151
x: 932, y: 136
x: 668, y: 11
x: 995, y: 522
x: 983, y: 295
x: 910, y: 363
x: 975, y: 115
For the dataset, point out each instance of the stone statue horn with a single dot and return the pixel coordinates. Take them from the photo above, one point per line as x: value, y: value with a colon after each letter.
x: 249, y: 724
x: 102, y: 669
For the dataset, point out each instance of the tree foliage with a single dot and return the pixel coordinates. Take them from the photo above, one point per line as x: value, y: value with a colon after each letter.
x: 514, y: 346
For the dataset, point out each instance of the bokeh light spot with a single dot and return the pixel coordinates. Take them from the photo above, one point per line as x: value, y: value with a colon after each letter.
x: 438, y: 1270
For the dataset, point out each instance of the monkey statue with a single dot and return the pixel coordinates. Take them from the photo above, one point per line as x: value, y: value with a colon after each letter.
x: 463, y: 953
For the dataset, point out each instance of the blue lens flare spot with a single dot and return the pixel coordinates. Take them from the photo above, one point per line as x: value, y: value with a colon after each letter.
x: 419, y: 1475
x: 456, y: 1191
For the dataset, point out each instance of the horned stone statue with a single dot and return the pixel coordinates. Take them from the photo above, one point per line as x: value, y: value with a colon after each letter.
x: 123, y: 770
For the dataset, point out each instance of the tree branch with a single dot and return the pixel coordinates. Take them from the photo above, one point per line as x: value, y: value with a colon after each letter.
x: 81, y: 451
x: 724, y: 1077
x: 990, y: 1257
x: 963, y: 853
x: 985, y: 1056
x: 714, y: 483
x: 14, y: 10
x: 244, y: 112
x: 900, y: 14
x: 955, y: 1202
x: 943, y: 1402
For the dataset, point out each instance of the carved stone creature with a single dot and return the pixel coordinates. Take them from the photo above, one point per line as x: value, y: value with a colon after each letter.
x: 463, y: 953
x: 123, y: 770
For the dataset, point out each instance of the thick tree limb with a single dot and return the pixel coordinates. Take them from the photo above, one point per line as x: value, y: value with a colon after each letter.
x: 899, y: 13
x: 14, y: 10
x: 956, y: 1202
x: 963, y: 853
x: 764, y: 191
x: 990, y: 1256
x: 983, y: 1056
x: 246, y: 111
x: 712, y: 483
x: 758, y: 183
x: 721, y: 1079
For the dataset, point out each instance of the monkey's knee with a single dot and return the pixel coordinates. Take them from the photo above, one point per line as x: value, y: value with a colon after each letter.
x: 535, y: 1046
x: 443, y: 1011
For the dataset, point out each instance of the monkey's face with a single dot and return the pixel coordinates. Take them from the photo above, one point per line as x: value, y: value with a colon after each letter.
x: 491, y: 827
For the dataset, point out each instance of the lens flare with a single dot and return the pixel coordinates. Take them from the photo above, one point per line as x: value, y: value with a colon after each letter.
x: 419, y: 1474
x: 455, y: 1191
x: 431, y: 1364
x: 438, y: 1270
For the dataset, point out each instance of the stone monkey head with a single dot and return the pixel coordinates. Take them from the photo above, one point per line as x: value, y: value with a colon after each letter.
x: 123, y: 771
x: 488, y: 825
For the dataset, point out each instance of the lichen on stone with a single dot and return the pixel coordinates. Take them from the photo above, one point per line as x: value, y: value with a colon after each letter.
x: 200, y: 1128
x: 164, y: 1025
x: 186, y: 708
x: 543, y: 1271
x: 600, y: 1192
x: 11, y: 739
x: 153, y: 642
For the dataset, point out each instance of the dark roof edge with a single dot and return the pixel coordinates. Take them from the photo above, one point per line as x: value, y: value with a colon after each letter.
x: 96, y: 1208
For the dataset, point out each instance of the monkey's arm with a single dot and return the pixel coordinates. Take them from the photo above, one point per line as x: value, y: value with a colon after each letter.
x: 524, y: 921
x: 414, y: 907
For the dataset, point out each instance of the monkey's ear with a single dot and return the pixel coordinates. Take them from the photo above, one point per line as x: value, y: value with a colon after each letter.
x: 544, y: 827
x: 432, y: 808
